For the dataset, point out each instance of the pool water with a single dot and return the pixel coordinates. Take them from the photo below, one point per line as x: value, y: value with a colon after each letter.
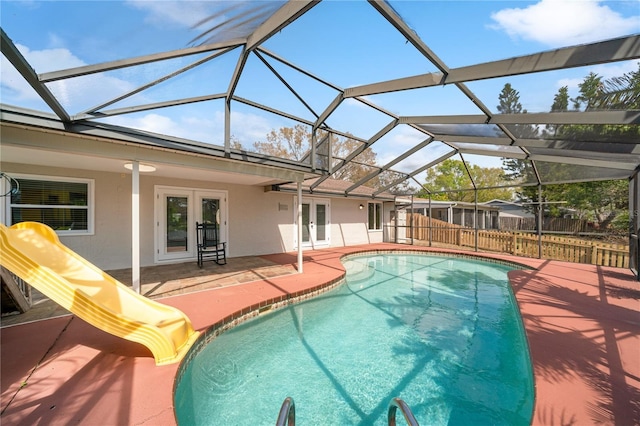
x: 442, y: 333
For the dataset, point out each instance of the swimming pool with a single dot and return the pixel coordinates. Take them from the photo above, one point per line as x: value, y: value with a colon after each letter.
x: 442, y: 333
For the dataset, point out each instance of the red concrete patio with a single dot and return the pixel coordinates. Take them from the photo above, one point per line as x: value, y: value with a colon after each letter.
x: 582, y: 323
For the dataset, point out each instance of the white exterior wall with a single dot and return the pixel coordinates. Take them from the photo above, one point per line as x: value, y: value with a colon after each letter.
x: 349, y: 223
x: 110, y: 245
x: 258, y: 222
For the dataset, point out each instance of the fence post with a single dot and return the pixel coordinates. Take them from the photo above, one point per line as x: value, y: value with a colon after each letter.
x: 515, y: 244
x: 594, y: 254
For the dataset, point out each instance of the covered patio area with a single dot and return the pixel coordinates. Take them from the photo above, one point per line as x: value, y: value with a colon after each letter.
x: 582, y: 324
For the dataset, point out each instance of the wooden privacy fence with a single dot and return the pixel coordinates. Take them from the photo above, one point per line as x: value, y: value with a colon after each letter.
x: 554, y: 224
x: 520, y: 243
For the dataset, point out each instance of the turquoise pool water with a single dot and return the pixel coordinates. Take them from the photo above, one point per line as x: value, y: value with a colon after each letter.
x: 442, y: 333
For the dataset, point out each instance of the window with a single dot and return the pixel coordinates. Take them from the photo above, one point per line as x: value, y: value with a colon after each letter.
x: 64, y: 204
x: 375, y: 216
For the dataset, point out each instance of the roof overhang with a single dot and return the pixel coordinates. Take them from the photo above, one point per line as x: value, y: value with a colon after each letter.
x: 38, y: 139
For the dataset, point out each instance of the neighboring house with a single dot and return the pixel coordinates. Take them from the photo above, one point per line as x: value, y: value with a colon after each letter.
x: 510, y: 208
x: 515, y: 216
x: 457, y: 212
x: 87, y: 188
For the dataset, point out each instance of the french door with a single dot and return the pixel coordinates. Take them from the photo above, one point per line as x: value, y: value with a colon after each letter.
x: 316, y: 221
x: 176, y: 212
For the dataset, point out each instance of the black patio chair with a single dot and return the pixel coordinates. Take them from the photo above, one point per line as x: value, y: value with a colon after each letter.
x: 209, y: 244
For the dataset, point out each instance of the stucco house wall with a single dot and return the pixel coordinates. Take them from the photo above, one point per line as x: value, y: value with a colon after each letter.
x: 109, y: 247
x: 259, y: 222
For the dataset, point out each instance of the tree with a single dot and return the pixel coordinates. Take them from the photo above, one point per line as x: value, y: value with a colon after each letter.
x: 621, y: 92
x: 359, y: 167
x: 600, y: 201
x: 612, y: 94
x: 509, y: 103
x: 451, y: 175
x: 590, y: 90
x: 509, y: 100
x: 295, y: 142
x: 560, y: 103
x: 389, y: 177
x: 287, y: 142
x: 516, y: 170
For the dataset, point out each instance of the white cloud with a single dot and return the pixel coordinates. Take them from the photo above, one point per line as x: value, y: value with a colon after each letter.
x: 565, y: 22
x: 74, y: 94
x: 155, y: 123
x: 615, y: 70
x: 247, y: 128
x: 571, y: 83
x: 42, y: 61
x: 179, y: 13
x: 50, y: 59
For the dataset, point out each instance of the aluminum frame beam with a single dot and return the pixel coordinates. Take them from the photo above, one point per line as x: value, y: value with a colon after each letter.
x: 286, y: 84
x: 272, y: 110
x: 582, y: 117
x: 297, y: 68
x: 390, y: 164
x: 140, y: 60
x: 288, y: 13
x: 14, y: 56
x: 386, y: 129
x: 147, y: 107
x: 519, y: 142
x: 392, y: 17
x: 615, y: 50
x: 417, y: 171
x: 587, y: 162
x: 153, y: 83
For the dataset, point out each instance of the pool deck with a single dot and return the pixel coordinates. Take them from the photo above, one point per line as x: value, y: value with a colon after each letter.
x: 582, y: 324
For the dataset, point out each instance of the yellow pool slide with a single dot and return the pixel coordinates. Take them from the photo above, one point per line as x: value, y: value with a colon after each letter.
x: 33, y: 252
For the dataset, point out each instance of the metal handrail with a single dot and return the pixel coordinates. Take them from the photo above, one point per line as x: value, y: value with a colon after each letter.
x: 287, y: 415
x: 406, y: 412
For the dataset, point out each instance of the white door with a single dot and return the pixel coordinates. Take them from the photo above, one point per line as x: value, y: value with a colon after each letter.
x: 174, y: 208
x: 316, y: 222
x: 177, y: 211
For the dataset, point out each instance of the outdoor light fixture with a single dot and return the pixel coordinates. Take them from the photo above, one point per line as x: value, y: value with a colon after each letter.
x: 361, y: 206
x: 143, y: 168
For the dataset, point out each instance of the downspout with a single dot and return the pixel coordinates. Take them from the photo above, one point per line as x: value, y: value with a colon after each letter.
x: 135, y: 226
x: 430, y: 231
x: 539, y: 221
x: 411, y: 220
x: 395, y: 220
x: 299, y: 187
x: 475, y: 216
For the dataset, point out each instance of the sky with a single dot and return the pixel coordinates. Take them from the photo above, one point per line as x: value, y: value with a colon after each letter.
x: 346, y: 43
